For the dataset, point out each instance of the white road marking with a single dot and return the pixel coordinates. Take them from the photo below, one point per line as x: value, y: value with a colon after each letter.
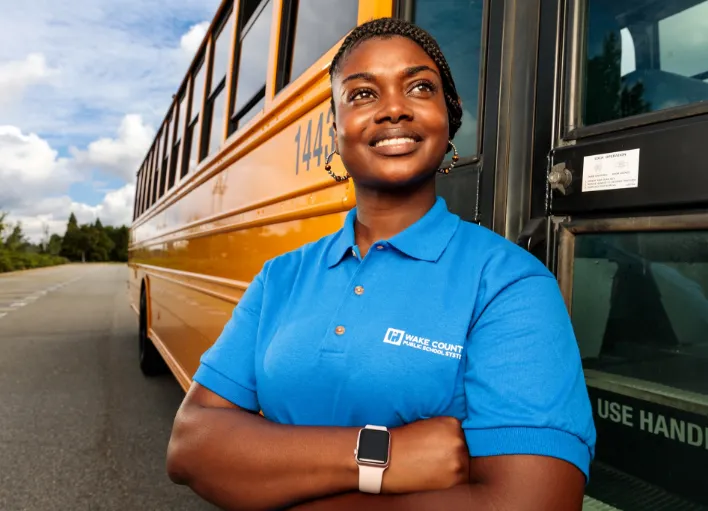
x: 27, y: 299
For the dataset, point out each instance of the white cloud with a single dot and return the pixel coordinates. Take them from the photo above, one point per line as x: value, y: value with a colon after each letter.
x: 36, y: 180
x: 18, y: 75
x: 53, y: 213
x: 29, y: 168
x: 119, y: 156
x: 193, y: 38
x: 70, y: 72
x: 114, y: 57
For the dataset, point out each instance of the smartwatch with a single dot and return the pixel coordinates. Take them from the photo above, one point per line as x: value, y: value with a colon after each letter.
x: 372, y: 453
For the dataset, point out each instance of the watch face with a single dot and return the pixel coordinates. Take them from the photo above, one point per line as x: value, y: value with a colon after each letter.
x: 373, y: 446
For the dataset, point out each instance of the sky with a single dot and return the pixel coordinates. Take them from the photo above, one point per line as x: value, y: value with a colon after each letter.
x: 84, y: 84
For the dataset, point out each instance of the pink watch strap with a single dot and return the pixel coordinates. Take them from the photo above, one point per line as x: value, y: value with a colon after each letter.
x: 370, y: 479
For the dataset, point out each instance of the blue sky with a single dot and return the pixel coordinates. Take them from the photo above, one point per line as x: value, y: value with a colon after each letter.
x: 83, y: 86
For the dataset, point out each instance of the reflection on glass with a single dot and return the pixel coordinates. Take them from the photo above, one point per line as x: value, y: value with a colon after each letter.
x: 168, y: 136
x: 313, y: 38
x: 644, y: 56
x: 250, y: 114
x: 253, y: 63
x: 640, y: 306
x: 457, y: 26
x: 181, y: 120
x: 216, y: 136
x: 193, y: 151
x: 197, y: 93
x: 221, y: 54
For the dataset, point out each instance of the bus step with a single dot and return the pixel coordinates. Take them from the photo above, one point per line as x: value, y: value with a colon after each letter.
x: 611, y: 489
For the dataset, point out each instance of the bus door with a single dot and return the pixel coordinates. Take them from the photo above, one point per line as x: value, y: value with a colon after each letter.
x: 625, y: 193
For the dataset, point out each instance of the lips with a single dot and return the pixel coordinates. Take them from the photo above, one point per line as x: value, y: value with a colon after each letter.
x: 395, y: 142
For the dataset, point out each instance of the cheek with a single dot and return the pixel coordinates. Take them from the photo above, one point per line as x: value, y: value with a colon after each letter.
x: 349, y: 132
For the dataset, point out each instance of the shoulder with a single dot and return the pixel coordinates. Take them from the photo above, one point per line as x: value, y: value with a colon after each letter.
x: 500, y: 267
x: 495, y: 256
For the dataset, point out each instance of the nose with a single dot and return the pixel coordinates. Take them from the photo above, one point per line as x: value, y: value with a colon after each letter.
x: 394, y: 107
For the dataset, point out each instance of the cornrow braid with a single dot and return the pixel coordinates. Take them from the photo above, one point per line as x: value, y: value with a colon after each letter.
x: 389, y: 27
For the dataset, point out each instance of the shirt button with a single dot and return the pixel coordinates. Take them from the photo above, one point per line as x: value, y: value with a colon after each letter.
x: 359, y: 290
x: 354, y: 252
x: 339, y: 330
x: 379, y: 247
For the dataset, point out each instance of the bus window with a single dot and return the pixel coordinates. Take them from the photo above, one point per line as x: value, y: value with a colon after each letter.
x: 216, y: 102
x: 252, y: 64
x: 156, y: 168
x: 644, y: 56
x: 457, y: 26
x: 164, y: 184
x: 179, y: 130
x: 191, y: 137
x: 307, y: 38
x: 640, y: 306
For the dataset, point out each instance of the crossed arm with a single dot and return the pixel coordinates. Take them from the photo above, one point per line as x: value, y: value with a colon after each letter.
x: 240, y: 461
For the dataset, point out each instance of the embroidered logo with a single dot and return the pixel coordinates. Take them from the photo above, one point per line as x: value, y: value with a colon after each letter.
x: 394, y: 336
x: 401, y: 338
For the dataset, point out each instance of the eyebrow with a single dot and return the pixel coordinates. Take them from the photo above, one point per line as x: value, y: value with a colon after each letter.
x: 358, y: 76
x: 412, y: 71
x: 409, y: 71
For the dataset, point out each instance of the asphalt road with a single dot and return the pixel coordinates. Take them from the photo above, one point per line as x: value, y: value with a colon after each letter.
x: 80, y: 427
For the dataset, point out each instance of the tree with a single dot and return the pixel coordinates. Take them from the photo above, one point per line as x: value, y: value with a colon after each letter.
x: 120, y: 237
x: 98, y: 245
x: 608, y: 98
x: 73, y: 245
x: 16, y: 242
x: 54, y: 245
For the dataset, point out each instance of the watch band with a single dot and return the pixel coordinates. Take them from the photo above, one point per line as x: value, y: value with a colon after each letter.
x: 371, y: 478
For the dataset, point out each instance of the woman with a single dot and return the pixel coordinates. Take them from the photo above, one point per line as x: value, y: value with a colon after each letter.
x: 452, y: 343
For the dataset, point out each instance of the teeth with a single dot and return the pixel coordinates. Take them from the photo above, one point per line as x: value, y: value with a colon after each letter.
x: 394, y: 141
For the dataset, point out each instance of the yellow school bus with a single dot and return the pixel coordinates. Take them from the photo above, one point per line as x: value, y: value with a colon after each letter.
x: 583, y: 140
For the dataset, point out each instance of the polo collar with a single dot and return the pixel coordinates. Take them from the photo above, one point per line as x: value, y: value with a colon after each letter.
x: 425, y: 240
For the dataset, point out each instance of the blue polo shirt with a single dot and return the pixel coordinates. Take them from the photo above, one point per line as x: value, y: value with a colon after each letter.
x: 444, y: 319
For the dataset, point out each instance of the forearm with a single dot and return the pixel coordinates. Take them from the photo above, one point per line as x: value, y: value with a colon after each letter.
x: 241, y: 461
x: 463, y: 497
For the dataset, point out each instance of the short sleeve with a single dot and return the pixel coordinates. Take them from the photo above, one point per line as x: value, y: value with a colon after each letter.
x: 228, y: 367
x: 524, y: 383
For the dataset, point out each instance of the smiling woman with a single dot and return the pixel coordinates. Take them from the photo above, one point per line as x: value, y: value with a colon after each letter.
x: 342, y: 308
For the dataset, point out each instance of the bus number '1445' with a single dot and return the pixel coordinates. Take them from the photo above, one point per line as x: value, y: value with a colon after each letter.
x: 309, y: 147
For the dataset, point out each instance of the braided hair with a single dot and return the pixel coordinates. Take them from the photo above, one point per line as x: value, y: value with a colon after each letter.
x: 386, y: 28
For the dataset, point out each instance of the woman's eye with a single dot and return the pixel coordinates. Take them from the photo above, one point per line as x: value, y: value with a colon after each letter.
x: 423, y: 87
x: 361, y: 94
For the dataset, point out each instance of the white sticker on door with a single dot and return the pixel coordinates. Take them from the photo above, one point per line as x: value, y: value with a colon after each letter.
x: 611, y: 171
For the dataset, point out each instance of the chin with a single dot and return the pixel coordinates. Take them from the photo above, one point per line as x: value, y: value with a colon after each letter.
x: 397, y: 177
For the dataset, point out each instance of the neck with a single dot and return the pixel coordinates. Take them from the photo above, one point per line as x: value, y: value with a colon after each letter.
x: 383, y: 214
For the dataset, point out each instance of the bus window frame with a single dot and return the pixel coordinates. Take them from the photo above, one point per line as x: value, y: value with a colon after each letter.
x: 566, y: 232
x: 212, y: 92
x: 165, y: 151
x: 242, y: 30
x: 179, y: 132
x: 405, y: 9
x: 574, y: 26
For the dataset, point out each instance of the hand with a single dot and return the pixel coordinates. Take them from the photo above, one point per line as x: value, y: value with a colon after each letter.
x: 427, y: 455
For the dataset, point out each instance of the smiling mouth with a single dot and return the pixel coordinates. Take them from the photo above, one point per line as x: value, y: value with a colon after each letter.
x: 395, y: 141
x: 395, y: 146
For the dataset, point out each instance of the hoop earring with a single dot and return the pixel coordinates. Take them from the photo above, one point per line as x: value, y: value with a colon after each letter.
x: 455, y: 159
x: 328, y: 168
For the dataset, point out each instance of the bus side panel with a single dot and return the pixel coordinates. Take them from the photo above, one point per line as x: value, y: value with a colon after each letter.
x: 272, y: 200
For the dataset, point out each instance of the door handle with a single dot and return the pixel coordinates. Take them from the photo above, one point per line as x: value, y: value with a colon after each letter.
x: 533, y: 233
